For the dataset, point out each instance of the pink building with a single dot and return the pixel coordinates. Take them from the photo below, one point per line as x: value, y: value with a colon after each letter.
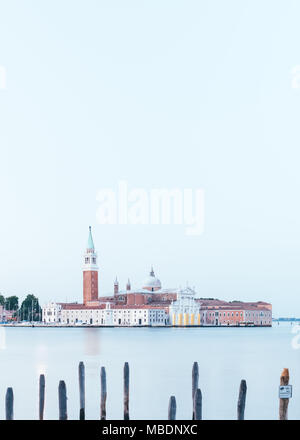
x: 222, y: 313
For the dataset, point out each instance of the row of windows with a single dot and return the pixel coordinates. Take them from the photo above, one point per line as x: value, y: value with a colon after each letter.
x: 228, y: 314
x: 115, y: 312
x: 116, y: 320
x: 241, y: 314
x: 87, y: 260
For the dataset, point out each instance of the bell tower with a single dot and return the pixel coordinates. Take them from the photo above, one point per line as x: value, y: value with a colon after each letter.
x: 116, y: 287
x: 90, y: 272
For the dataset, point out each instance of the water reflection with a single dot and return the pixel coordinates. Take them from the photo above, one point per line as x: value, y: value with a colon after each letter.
x: 2, y: 338
x: 41, y: 358
x: 163, y: 356
x: 91, y: 337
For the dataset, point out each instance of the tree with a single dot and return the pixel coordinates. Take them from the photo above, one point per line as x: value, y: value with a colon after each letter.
x: 2, y: 300
x: 11, y: 303
x: 30, y: 309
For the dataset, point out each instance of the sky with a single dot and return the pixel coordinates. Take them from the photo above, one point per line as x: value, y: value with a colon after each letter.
x: 195, y: 94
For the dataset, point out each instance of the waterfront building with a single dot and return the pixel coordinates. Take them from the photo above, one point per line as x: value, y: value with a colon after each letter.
x: 6, y: 315
x: 149, y: 305
x: 185, y: 310
x: 104, y: 315
x: 221, y: 313
x: 108, y: 315
x: 51, y: 313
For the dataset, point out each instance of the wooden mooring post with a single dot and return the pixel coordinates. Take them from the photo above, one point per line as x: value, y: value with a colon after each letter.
x: 195, y: 380
x: 62, y: 400
x: 81, y: 377
x: 126, y: 391
x: 284, y: 403
x: 197, y: 405
x: 285, y: 393
x: 172, y: 408
x: 103, y: 394
x: 242, y: 400
x: 9, y: 404
x: 41, y: 396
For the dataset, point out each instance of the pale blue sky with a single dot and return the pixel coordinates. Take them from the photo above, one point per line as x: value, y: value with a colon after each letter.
x: 186, y: 94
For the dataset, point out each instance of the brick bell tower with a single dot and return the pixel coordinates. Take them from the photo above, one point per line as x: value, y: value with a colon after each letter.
x: 90, y: 272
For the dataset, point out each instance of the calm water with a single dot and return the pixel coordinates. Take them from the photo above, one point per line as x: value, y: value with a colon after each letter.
x: 160, y: 365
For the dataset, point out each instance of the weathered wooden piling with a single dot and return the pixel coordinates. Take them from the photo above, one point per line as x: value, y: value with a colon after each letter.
x: 242, y: 400
x: 9, y: 404
x: 103, y: 394
x: 41, y: 397
x: 284, y: 403
x: 81, y: 376
x: 197, y: 405
x: 62, y: 400
x: 126, y: 391
x: 172, y: 408
x: 195, y: 380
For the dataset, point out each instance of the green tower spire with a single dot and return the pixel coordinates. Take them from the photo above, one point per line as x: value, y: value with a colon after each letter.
x: 90, y: 244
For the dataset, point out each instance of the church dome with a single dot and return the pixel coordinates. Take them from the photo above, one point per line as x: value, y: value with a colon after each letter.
x: 151, y: 283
